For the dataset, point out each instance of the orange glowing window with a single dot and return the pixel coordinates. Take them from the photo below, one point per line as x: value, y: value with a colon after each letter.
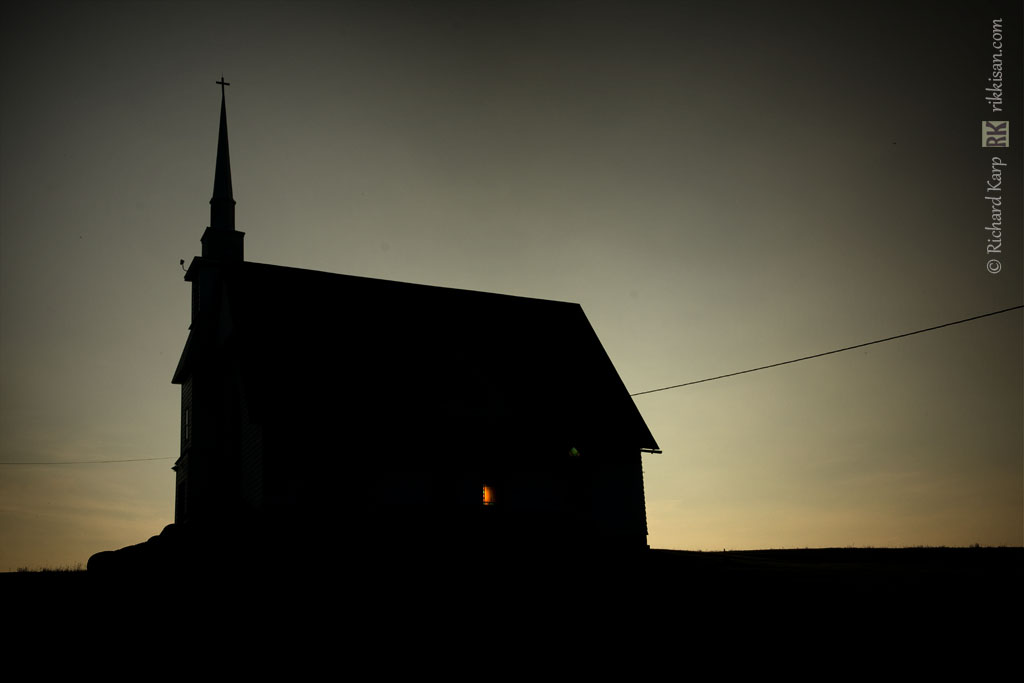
x: 488, y: 495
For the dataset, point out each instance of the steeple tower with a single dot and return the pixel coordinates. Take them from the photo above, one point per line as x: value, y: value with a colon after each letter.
x: 221, y: 240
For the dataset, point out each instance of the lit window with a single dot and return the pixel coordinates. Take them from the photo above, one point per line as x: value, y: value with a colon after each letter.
x: 488, y: 495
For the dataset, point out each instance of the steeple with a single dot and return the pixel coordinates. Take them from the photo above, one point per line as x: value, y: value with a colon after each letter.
x: 222, y: 204
x: 220, y: 240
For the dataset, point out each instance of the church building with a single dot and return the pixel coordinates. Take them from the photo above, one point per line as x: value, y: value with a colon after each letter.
x: 391, y: 412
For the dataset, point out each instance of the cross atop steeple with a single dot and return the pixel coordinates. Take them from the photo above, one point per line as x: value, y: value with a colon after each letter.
x: 221, y: 83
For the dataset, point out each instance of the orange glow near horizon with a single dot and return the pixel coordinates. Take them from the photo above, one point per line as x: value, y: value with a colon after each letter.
x: 488, y: 495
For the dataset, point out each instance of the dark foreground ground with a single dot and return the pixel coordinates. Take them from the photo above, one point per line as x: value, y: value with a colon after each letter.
x: 983, y: 578
x: 921, y: 609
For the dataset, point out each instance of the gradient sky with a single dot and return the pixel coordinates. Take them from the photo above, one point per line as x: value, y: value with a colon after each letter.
x: 720, y: 185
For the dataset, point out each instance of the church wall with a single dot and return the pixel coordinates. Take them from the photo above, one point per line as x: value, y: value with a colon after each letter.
x: 199, y: 472
x: 619, y: 508
x: 182, y: 467
x: 181, y: 490
x: 201, y: 490
x: 250, y: 457
x: 212, y: 473
x: 225, y: 457
x: 292, y: 459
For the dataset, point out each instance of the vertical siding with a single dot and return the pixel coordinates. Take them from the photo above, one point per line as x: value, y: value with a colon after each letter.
x: 181, y: 489
x: 186, y: 403
x: 619, y: 504
x: 250, y: 456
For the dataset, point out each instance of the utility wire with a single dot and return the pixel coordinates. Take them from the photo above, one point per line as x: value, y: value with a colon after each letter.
x: 827, y: 353
x: 86, y: 462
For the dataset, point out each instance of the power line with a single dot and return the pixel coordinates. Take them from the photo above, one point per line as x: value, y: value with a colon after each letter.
x: 826, y: 353
x: 86, y: 462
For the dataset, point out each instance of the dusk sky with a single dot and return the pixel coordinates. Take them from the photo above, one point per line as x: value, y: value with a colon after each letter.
x: 720, y: 185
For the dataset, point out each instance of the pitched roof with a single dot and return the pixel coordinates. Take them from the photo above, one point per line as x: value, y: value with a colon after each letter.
x: 362, y: 346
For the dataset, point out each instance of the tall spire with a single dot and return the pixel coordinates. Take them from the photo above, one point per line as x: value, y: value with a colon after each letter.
x: 221, y: 241
x: 222, y: 204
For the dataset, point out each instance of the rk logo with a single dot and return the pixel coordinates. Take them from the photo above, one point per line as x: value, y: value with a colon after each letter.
x: 995, y: 133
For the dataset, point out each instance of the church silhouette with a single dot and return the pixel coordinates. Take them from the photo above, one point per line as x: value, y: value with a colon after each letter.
x: 382, y: 413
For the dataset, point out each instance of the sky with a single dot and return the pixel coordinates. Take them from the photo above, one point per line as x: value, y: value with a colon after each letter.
x: 721, y: 186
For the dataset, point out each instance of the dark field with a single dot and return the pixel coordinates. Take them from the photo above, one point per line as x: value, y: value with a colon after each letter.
x: 911, y: 608
x: 924, y: 575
